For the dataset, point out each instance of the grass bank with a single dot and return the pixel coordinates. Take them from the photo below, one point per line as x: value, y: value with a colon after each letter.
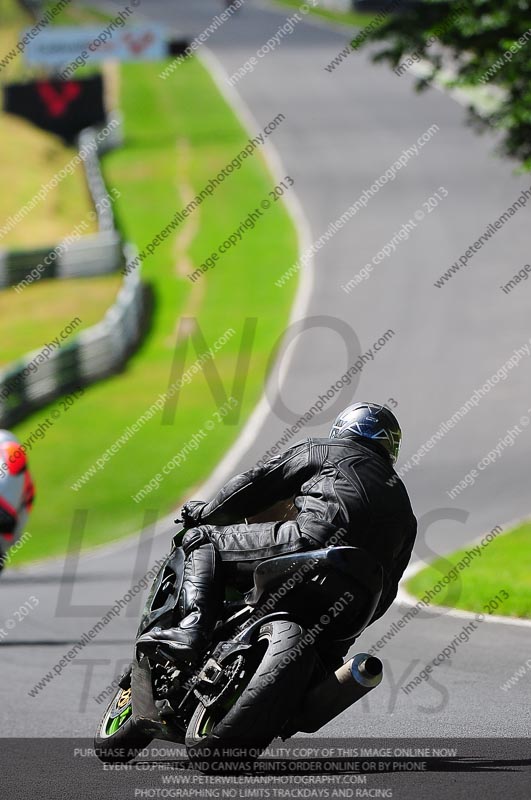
x: 179, y: 133
x: 504, y: 564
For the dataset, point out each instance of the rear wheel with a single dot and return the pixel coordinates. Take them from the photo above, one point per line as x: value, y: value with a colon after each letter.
x: 118, y: 739
x: 265, y: 691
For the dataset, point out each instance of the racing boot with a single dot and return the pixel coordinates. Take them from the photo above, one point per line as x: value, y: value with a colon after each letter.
x: 199, y: 607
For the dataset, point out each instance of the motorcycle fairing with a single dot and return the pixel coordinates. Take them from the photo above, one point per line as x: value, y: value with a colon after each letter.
x: 164, y: 594
x: 351, y: 561
x: 324, y: 571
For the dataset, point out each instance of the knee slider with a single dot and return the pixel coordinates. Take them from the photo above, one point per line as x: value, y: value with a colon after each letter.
x: 194, y: 538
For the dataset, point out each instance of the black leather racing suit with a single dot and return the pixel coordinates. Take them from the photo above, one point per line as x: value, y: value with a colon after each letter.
x: 342, y: 483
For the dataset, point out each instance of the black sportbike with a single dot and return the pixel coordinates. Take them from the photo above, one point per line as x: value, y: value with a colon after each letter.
x: 267, y: 672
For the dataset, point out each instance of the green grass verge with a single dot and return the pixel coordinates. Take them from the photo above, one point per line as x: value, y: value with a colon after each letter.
x: 505, y: 563
x: 41, y: 153
x: 29, y: 158
x: 37, y: 315
x: 349, y: 17
x: 178, y: 132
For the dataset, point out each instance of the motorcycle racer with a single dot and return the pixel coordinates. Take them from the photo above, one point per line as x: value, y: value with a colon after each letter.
x: 346, y: 493
x: 17, y: 492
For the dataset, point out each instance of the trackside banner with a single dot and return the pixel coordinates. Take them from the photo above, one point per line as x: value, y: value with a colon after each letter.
x: 61, y: 107
x: 60, y: 45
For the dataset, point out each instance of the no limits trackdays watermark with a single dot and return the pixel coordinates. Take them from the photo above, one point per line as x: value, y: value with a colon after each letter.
x: 310, y: 636
x: 155, y: 408
x: 464, y: 636
x: 333, y: 392
x: 88, y: 636
x: 447, y: 581
x: 191, y: 446
x: 392, y: 684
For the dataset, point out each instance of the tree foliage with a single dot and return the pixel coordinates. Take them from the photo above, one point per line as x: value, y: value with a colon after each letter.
x: 484, y: 43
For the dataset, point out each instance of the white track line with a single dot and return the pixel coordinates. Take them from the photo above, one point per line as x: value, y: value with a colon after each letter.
x: 481, y: 98
x: 404, y: 598
x: 259, y: 415
x: 225, y: 468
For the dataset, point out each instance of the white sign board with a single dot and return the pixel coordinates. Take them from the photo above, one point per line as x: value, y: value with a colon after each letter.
x: 336, y: 5
x: 60, y: 46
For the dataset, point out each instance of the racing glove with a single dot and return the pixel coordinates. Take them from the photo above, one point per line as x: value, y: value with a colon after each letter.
x: 191, y: 513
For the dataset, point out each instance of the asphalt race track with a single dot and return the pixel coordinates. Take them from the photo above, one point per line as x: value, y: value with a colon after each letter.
x: 342, y: 130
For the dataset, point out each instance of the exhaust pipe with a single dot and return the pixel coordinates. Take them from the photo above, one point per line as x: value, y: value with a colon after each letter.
x: 338, y: 691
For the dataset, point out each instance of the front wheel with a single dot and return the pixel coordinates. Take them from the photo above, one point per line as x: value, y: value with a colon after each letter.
x: 267, y: 688
x: 118, y: 740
